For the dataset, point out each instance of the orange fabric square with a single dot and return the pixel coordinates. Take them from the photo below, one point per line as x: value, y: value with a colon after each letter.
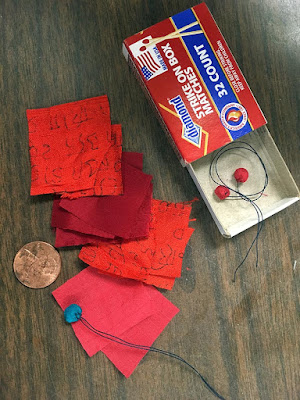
x: 67, y: 144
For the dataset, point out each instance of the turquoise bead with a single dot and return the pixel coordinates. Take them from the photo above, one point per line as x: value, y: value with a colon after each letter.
x: 72, y: 313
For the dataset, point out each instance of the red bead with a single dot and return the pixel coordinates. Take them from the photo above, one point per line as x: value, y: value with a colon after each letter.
x: 241, y: 174
x: 222, y: 192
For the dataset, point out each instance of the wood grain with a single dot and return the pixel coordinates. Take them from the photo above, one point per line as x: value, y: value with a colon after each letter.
x: 244, y: 337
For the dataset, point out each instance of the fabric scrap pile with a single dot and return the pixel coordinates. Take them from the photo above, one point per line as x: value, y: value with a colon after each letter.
x: 103, y: 202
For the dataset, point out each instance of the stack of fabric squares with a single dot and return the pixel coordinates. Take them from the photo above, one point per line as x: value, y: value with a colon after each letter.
x: 103, y: 199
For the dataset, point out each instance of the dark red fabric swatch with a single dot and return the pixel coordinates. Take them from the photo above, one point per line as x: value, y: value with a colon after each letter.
x: 124, y: 216
x: 71, y: 231
x: 67, y: 144
x: 73, y: 237
x: 65, y: 238
x: 64, y: 220
x: 157, y: 259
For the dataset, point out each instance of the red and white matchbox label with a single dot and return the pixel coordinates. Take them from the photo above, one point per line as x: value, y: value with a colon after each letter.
x: 195, y: 83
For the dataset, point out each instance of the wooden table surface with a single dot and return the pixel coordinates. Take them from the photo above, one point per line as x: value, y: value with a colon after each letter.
x: 243, y: 337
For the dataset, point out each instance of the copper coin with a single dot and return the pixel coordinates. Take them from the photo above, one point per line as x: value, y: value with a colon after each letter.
x: 37, y: 265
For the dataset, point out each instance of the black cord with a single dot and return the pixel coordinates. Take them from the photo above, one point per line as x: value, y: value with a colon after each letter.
x: 118, y: 340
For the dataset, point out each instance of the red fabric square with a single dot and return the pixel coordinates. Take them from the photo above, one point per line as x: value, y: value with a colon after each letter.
x: 157, y: 259
x: 121, y: 307
x: 67, y: 144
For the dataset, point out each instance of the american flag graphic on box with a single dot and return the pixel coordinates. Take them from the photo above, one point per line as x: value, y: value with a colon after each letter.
x: 148, y: 58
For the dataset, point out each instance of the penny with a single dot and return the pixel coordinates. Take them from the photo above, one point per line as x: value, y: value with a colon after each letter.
x: 37, y: 265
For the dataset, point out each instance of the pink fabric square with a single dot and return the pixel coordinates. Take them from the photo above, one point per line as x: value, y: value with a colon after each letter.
x: 122, y: 307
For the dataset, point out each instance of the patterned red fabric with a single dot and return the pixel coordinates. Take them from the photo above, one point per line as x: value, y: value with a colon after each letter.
x: 69, y: 146
x: 156, y: 260
x: 108, y: 179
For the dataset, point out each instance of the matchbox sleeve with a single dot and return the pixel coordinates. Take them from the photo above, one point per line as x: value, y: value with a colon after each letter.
x: 194, y: 82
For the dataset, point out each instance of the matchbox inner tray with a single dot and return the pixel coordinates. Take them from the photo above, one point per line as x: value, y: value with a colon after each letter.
x: 203, y: 103
x: 235, y: 216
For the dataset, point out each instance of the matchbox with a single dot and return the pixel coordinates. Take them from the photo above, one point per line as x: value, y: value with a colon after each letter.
x: 203, y: 103
x: 194, y: 82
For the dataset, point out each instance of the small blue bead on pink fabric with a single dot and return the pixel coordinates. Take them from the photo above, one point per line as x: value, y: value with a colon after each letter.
x: 72, y: 313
